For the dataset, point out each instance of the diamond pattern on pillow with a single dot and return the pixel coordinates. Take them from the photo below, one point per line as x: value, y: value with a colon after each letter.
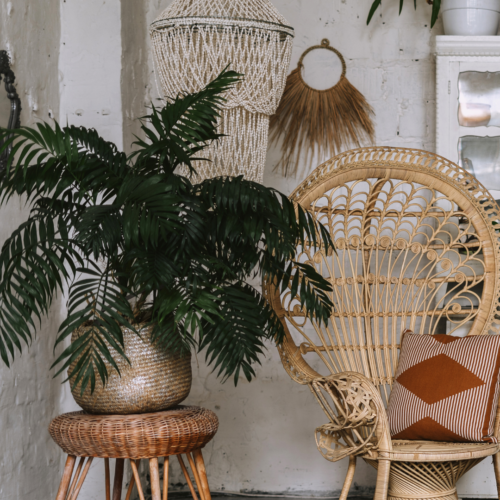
x: 446, y: 388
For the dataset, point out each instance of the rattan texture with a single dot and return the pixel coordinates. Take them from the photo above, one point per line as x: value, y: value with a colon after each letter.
x: 417, y: 247
x: 161, y: 434
x: 193, y: 41
x: 155, y: 379
x: 411, y: 480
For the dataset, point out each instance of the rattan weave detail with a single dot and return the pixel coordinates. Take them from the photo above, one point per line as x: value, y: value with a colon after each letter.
x: 180, y: 430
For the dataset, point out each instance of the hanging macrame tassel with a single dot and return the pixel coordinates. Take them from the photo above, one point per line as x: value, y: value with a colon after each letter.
x: 323, y: 121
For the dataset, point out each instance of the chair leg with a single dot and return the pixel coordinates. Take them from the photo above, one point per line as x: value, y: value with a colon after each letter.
x: 348, y: 479
x: 200, y: 465
x: 66, y: 479
x: 382, y: 487
x: 496, y: 466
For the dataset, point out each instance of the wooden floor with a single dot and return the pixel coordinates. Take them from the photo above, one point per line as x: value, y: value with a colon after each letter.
x: 178, y: 495
x: 290, y: 497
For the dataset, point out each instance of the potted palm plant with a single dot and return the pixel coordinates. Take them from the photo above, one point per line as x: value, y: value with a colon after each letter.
x: 154, y: 265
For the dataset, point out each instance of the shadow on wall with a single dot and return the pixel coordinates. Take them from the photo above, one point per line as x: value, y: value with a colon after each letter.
x: 29, y: 396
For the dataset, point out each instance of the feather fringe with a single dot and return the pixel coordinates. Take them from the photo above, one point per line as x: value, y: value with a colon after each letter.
x: 323, y: 121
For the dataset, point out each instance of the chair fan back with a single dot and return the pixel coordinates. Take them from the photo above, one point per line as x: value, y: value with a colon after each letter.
x: 416, y: 248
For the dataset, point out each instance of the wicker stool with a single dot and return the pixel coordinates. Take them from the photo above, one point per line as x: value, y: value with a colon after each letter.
x: 182, y: 430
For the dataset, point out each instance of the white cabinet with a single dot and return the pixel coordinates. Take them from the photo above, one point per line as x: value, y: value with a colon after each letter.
x: 468, y: 105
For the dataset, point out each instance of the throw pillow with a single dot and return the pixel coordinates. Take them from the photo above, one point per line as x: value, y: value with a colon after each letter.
x: 446, y: 388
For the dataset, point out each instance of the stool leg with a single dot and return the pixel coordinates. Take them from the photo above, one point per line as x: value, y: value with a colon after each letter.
x: 165, y: 477
x: 118, y: 483
x: 66, y: 479
x: 107, y: 479
x: 130, y: 488
x: 196, y: 476
x: 75, y: 477
x: 82, y: 479
x: 188, y: 479
x: 200, y: 465
x: 154, y: 472
x: 137, y: 479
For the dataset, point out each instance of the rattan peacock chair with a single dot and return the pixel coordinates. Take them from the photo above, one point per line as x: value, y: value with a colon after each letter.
x: 416, y: 248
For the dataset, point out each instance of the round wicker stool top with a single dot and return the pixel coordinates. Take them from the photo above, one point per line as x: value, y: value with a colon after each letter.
x: 149, y: 435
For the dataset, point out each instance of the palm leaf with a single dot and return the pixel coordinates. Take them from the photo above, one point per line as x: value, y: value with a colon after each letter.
x: 117, y: 229
x: 375, y: 5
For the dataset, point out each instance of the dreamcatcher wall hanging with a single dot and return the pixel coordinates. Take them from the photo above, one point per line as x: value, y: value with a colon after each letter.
x: 323, y: 121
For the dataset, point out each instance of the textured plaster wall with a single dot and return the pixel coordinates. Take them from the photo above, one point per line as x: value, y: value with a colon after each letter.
x: 29, y: 396
x: 90, y: 67
x: 134, y: 68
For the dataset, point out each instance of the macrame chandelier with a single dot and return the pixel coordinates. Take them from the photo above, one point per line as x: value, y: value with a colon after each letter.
x: 194, y: 40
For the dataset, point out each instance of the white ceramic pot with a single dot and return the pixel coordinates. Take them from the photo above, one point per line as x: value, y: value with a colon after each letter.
x: 470, y: 17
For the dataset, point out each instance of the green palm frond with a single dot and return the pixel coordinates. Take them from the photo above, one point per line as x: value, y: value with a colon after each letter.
x: 96, y: 299
x: 236, y: 341
x: 436, y: 5
x: 118, y: 230
x: 184, y: 127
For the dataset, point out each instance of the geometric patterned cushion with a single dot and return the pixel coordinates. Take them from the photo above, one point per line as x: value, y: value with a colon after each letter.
x: 446, y: 388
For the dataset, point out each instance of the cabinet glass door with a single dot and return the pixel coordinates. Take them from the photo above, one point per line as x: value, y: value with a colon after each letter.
x: 481, y: 157
x: 479, y: 99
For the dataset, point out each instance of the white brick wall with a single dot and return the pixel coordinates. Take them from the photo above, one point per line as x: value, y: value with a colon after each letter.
x: 265, y: 442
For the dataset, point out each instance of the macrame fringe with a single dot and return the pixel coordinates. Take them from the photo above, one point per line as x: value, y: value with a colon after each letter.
x: 194, y: 40
x: 241, y: 152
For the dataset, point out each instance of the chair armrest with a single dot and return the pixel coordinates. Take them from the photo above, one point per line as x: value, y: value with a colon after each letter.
x: 357, y: 417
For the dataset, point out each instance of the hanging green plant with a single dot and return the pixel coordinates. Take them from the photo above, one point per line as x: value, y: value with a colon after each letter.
x: 436, y: 5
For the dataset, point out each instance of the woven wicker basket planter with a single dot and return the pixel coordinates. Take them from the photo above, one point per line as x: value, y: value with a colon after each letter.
x: 154, y: 380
